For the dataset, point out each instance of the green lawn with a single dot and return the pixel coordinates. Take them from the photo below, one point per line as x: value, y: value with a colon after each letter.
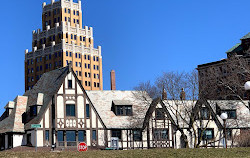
x: 154, y: 153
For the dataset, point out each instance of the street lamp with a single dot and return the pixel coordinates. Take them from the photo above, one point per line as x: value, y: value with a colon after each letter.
x: 223, y: 116
x: 247, y: 86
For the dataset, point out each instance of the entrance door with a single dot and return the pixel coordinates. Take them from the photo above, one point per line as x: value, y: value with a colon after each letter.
x: 29, y: 139
x: 10, y: 140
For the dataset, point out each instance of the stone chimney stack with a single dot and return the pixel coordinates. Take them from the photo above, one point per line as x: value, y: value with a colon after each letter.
x: 112, y: 80
x: 164, y: 94
x: 182, y: 94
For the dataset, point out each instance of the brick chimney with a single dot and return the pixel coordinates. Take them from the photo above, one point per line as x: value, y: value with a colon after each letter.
x: 164, y: 94
x: 112, y: 80
x: 182, y: 94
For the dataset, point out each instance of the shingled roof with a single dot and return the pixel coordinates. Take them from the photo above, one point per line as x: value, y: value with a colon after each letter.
x: 103, y: 100
x: 48, y: 84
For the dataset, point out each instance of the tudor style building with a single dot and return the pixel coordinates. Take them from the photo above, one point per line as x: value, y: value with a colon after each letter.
x: 119, y: 119
x: 63, y: 40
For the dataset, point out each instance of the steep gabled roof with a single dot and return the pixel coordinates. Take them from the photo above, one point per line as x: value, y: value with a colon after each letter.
x: 103, y: 100
x: 235, y: 48
x: 48, y: 84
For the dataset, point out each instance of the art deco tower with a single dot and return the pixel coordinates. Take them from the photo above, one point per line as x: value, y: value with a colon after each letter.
x: 63, y: 40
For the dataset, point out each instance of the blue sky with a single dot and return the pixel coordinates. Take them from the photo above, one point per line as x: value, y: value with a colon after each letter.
x: 140, y: 39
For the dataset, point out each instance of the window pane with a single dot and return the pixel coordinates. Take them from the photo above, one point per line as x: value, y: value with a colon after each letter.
x: 87, y: 110
x: 60, y: 136
x: 71, y: 136
x: 70, y: 110
x: 47, y: 135
x: 94, y: 135
x: 81, y: 136
x: 69, y: 84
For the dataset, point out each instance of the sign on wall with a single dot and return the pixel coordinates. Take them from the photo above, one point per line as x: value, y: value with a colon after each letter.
x: 35, y: 126
x: 82, y: 146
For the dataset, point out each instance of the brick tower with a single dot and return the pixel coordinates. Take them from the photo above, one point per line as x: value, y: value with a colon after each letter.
x: 61, y: 41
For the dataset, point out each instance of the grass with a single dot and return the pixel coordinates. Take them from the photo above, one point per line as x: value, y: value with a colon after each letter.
x: 152, y: 153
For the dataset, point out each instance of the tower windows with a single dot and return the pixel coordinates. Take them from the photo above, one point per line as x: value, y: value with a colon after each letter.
x: 71, y: 36
x: 74, y: 12
x: 67, y: 53
x: 80, y: 38
x: 49, y: 13
x: 65, y: 18
x: 54, y: 38
x: 54, y: 20
x: 70, y: 54
x: 77, y: 21
x: 80, y: 73
x: 65, y: 10
x: 76, y: 64
x: 97, y: 58
x: 74, y: 20
x: 68, y: 19
x: 75, y: 37
x: 80, y: 65
x: 94, y: 58
x: 69, y: 11
x: 88, y: 57
x: 85, y: 65
x: 49, y: 22
x: 58, y: 19
x: 85, y: 57
x: 67, y: 35
x: 54, y: 11
x: 41, y: 68
x: 88, y: 66
x: 77, y: 13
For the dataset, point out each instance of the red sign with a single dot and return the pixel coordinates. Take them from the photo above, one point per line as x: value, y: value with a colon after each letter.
x: 82, y: 146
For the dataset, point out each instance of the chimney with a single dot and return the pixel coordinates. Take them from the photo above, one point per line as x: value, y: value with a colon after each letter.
x: 183, y: 94
x: 164, y: 94
x: 112, y: 80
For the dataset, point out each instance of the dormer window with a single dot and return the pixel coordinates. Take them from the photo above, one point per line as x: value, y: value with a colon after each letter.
x: 159, y: 114
x: 122, y: 108
x: 33, y: 111
x: 231, y: 114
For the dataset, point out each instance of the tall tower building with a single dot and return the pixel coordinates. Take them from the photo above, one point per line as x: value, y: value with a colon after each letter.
x: 61, y: 41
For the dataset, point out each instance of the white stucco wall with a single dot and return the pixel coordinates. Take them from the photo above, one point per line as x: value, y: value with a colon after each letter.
x: 17, y: 140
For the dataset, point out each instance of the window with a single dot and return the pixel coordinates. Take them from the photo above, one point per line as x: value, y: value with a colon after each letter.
x: 205, y: 114
x: 54, y: 11
x: 70, y: 54
x: 231, y: 114
x: 80, y: 73
x: 89, y: 66
x: 76, y: 73
x: 79, y: 55
x: 56, y: 55
x: 74, y: 20
x: 80, y: 38
x: 159, y: 114
x: 59, y: 54
x: 37, y: 68
x: 67, y: 54
x: 94, y: 58
x: 33, y: 111
x: 85, y: 65
x: 97, y: 67
x: 60, y: 138
x: 86, y: 83
x: 69, y: 84
x: 123, y: 110
x: 67, y: 35
x: 88, y: 57
x: 71, y: 138
x: 98, y: 84
x: 160, y: 134
x: 47, y: 135
x: 75, y: 37
x: 208, y: 134
x: 77, y: 13
x: 117, y: 133
x: 81, y: 136
x: 94, y: 135
x: 94, y: 84
x: 41, y: 68
x: 94, y: 67
x: 87, y: 110
x: 74, y: 12
x: 68, y: 10
x: 70, y: 109
x: 47, y: 66
x: 76, y: 64
x: 97, y: 58
x: 68, y: 19
x: 137, y: 135
x: 50, y: 56
x: 65, y: 18
x: 89, y: 84
x: 54, y: 20
x: 80, y: 65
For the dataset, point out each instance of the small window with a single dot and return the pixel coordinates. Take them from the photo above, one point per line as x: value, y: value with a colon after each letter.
x: 137, y: 135
x: 94, y: 135
x: 87, y: 110
x: 79, y: 55
x: 70, y: 54
x: 69, y: 84
x: 33, y: 111
x: 74, y: 12
x: 123, y: 110
x: 77, y: 13
x: 60, y: 136
x: 69, y: 11
x: 80, y: 73
x: 70, y: 109
x: 76, y: 64
x: 208, y: 134
x: 159, y: 114
x: 205, y: 114
x: 81, y: 136
x: 117, y: 133
x: 231, y: 114
x: 47, y: 135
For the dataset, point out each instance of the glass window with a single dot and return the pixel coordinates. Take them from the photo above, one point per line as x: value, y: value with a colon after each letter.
x: 207, y: 134
x: 69, y: 84
x: 76, y: 55
x: 137, y: 135
x: 119, y: 110
x: 68, y: 10
x: 205, y: 113
x: 79, y: 55
x: 70, y: 109
x: 161, y: 134
x: 128, y: 110
x: 93, y: 134
x: 81, y: 136
x: 77, y: 13
x: 70, y: 54
x: 70, y: 136
x: 76, y: 64
x: 47, y: 135
x: 74, y: 12
x: 159, y: 114
x: 117, y: 133
x: 87, y: 110
x: 60, y: 137
x: 231, y: 114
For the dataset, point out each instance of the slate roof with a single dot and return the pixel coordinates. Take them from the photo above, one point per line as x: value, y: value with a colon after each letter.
x: 102, y: 101
x: 246, y: 36
x: 48, y: 84
x: 235, y: 48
